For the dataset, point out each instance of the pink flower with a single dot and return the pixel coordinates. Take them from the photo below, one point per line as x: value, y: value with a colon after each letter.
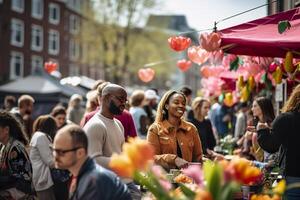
x: 195, y: 172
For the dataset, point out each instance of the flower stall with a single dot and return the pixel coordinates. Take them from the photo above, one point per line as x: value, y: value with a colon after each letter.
x: 214, y: 180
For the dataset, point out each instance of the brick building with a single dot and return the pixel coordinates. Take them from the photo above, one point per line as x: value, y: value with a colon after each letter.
x: 35, y: 31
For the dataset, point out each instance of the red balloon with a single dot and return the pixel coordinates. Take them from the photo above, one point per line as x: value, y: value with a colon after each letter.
x: 50, y: 66
x: 146, y: 75
x: 179, y: 43
x: 184, y: 64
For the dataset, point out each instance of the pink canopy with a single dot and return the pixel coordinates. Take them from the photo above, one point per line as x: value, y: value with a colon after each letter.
x: 261, y: 38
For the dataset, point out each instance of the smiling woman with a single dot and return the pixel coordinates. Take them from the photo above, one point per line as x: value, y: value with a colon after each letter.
x: 176, y: 141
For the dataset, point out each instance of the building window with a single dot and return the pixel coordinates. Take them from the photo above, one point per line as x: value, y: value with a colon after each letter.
x: 36, y: 38
x: 74, y: 24
x: 16, y: 65
x: 75, y: 5
x: 73, y: 70
x: 37, y: 9
x: 17, y: 33
x: 74, y: 50
x: 53, y: 42
x: 36, y: 63
x: 17, y: 5
x: 54, y: 13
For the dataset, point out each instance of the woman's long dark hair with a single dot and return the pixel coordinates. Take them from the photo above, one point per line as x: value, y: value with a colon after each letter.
x: 45, y: 124
x: 16, y: 129
x: 267, y: 109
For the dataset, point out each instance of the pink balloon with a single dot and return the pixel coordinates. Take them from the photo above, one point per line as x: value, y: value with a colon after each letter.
x: 197, y: 55
x: 146, y: 75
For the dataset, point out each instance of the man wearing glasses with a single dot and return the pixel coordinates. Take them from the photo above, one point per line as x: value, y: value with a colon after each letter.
x: 105, y: 133
x: 89, y: 180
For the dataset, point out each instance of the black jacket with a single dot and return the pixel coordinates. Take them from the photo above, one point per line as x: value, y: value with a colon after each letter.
x: 95, y: 182
x: 285, y: 134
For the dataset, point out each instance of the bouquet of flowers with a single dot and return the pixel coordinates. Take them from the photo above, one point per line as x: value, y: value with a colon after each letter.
x: 213, y: 181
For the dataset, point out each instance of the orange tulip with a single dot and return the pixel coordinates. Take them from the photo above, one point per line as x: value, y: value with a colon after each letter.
x: 203, y: 195
x: 122, y: 165
x: 139, y: 152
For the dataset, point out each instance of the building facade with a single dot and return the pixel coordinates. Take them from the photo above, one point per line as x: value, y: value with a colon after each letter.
x: 33, y: 32
x: 281, y: 5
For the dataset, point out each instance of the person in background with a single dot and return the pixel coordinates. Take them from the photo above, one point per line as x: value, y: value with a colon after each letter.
x: 139, y: 115
x: 15, y: 166
x: 89, y: 181
x: 125, y: 117
x: 241, y: 120
x: 151, y: 99
x: 263, y: 112
x: 187, y: 91
x: 59, y: 113
x: 176, y: 142
x: 44, y: 129
x: 284, y: 136
x: 105, y: 133
x: 75, y: 112
x: 91, y: 101
x: 24, y: 113
x: 9, y: 103
x: 197, y: 116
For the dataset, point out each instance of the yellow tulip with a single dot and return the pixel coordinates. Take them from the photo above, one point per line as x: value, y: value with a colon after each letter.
x: 288, y: 62
x: 240, y: 82
x: 277, y: 75
x: 280, y: 187
x: 251, y: 83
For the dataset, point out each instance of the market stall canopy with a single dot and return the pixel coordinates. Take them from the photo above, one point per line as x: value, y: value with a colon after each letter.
x: 261, y: 37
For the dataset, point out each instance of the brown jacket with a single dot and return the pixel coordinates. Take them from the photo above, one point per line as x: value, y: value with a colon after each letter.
x: 163, y: 137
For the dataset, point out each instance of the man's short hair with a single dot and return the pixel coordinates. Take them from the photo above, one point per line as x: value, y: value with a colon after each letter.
x: 187, y: 91
x: 25, y: 100
x: 79, y: 138
x: 10, y: 99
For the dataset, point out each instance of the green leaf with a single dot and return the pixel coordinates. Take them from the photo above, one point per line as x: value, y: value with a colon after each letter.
x: 228, y: 190
x: 283, y: 26
x: 213, y: 176
x: 235, y: 64
x: 267, y: 81
x: 187, y: 191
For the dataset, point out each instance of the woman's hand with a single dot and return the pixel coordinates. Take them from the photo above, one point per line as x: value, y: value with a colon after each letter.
x: 262, y: 126
x: 181, y: 163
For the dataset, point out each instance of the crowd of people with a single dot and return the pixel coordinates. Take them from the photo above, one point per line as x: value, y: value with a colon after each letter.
x: 65, y: 154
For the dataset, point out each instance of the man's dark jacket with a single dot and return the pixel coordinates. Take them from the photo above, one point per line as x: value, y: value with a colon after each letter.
x: 95, y: 182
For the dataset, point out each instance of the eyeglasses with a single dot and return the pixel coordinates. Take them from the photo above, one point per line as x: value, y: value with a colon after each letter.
x: 61, y: 152
x: 121, y: 99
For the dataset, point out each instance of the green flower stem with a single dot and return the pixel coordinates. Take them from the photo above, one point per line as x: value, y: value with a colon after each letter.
x: 152, y: 184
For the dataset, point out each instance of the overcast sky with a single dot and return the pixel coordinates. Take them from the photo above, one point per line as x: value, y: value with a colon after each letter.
x: 201, y: 14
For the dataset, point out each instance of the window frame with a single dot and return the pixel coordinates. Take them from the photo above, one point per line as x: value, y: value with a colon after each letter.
x: 12, y: 69
x: 36, y: 14
x: 50, y: 17
x: 17, y: 9
x: 34, y: 46
x: 34, y: 64
x: 53, y: 51
x: 13, y: 41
